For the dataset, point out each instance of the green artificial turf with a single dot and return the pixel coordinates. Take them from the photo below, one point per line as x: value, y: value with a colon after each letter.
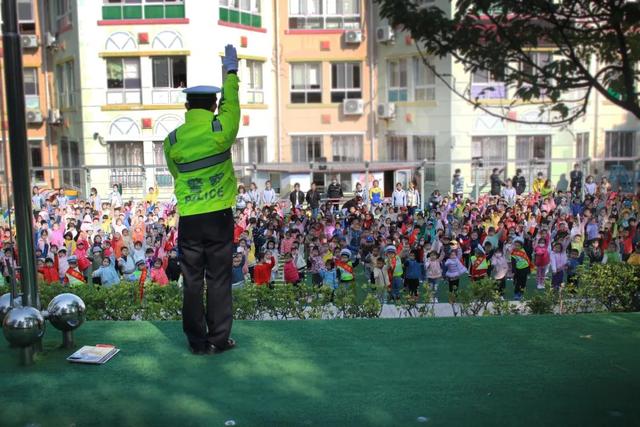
x: 532, y: 370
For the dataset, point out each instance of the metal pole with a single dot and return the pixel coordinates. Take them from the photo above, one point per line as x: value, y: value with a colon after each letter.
x: 477, y: 184
x: 18, y: 149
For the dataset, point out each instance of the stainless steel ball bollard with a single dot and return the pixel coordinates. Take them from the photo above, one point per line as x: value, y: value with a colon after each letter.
x: 66, y: 312
x: 5, y: 305
x: 22, y: 327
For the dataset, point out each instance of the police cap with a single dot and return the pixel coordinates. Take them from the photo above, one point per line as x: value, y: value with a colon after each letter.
x: 202, y: 90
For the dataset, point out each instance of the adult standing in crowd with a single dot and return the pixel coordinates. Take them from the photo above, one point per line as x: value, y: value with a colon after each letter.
x: 198, y: 155
x: 254, y: 194
x: 399, y: 197
x: 519, y: 182
x: 313, y: 199
x: 496, y: 182
x: 413, y: 198
x: 575, y: 180
x: 269, y: 197
x: 335, y: 193
x: 296, y: 197
x: 457, y: 182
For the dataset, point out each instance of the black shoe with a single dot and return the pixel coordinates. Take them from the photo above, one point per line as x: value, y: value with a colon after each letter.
x: 202, y: 351
x: 229, y: 346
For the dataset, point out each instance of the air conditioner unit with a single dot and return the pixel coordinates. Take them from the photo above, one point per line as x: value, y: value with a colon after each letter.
x: 50, y: 40
x: 34, y: 116
x: 353, y: 37
x: 29, y: 41
x: 352, y: 107
x: 385, y: 34
x: 386, y: 111
x: 54, y: 117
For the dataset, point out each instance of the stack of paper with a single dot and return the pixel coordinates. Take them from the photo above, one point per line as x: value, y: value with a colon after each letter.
x: 96, y: 355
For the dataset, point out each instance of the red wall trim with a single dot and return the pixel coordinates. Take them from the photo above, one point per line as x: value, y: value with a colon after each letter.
x: 305, y: 32
x: 170, y: 21
x: 242, y: 27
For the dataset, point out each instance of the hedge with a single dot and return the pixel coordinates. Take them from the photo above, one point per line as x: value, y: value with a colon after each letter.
x: 613, y: 288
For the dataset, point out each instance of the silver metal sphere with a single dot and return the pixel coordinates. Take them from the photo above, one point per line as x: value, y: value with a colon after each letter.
x: 5, y: 305
x: 23, y: 326
x: 66, y: 312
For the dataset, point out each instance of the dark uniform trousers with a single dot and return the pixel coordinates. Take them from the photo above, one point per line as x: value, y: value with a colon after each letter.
x: 206, y: 250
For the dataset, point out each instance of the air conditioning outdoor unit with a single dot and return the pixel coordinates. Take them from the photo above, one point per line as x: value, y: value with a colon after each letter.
x: 54, y: 117
x: 50, y: 40
x: 386, y: 111
x: 352, y: 107
x: 353, y: 36
x: 34, y: 116
x: 385, y: 34
x: 29, y: 41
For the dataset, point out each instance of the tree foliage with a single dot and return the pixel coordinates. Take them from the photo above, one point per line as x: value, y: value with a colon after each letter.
x: 595, y: 46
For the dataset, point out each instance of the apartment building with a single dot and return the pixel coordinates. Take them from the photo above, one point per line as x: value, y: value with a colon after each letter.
x: 43, y: 152
x: 325, y: 110
x: 120, y: 70
x: 423, y: 122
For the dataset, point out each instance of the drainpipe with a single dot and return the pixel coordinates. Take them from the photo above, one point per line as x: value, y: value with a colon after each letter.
x: 372, y: 110
x: 45, y: 69
x: 276, y: 41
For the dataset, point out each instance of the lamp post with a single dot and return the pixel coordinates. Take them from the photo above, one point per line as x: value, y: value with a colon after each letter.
x: 19, y: 158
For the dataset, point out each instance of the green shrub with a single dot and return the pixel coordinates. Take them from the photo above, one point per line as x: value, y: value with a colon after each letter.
x: 609, y: 287
x: 475, y: 298
x: 541, y: 302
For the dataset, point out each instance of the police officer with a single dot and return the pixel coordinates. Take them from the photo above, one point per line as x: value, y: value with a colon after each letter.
x: 198, y: 155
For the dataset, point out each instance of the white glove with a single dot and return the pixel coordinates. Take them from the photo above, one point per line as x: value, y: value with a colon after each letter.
x: 230, y: 58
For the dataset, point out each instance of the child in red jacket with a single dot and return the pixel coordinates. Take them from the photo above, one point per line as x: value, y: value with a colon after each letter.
x: 49, y: 272
x: 262, y: 271
x: 158, y: 274
x: 291, y: 274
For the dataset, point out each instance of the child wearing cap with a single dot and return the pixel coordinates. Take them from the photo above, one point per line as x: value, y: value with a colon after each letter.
x: 73, y: 276
x: 345, y: 268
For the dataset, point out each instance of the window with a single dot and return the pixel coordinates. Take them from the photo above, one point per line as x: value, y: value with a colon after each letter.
x: 169, y: 79
x: 306, y: 148
x: 487, y: 85
x: 424, y: 81
x: 243, y: 12
x: 324, y: 14
x: 533, y: 154
x: 424, y: 148
x: 25, y: 11
x: 123, y: 81
x: 142, y: 9
x: 540, y: 59
x: 306, y: 85
x: 65, y: 84
x: 345, y: 81
x: 70, y: 158
x: 253, y: 73
x: 620, y: 144
x: 347, y: 148
x: 237, y: 151
x: 257, y: 149
x: 35, y: 157
x: 161, y: 171
x: 397, y: 80
x: 63, y: 14
x: 582, y: 145
x: 492, y: 150
x: 396, y: 148
x: 31, y: 94
x: 123, y: 155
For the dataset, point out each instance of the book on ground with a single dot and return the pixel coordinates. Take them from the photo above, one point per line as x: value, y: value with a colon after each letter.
x: 96, y: 355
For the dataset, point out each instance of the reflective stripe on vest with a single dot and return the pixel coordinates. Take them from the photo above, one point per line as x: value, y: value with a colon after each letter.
x: 207, y: 162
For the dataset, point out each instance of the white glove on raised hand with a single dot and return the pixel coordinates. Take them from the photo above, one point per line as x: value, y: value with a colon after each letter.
x: 230, y: 58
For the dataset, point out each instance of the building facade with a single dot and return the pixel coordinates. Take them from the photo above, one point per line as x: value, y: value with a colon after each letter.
x: 433, y: 131
x: 43, y: 152
x: 120, y: 71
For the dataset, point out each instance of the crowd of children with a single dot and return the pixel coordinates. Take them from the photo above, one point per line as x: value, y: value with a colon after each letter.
x: 387, y: 242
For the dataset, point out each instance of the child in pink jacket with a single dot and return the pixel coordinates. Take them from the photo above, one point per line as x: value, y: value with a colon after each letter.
x: 158, y: 275
x: 542, y: 259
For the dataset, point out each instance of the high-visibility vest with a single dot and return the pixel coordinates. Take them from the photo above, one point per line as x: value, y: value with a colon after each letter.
x: 198, y: 155
x: 346, y: 270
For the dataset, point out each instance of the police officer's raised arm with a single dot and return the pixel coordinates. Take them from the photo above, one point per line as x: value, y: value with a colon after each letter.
x: 229, y: 108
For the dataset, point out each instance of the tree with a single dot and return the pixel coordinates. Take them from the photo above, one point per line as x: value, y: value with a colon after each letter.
x: 595, y: 46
